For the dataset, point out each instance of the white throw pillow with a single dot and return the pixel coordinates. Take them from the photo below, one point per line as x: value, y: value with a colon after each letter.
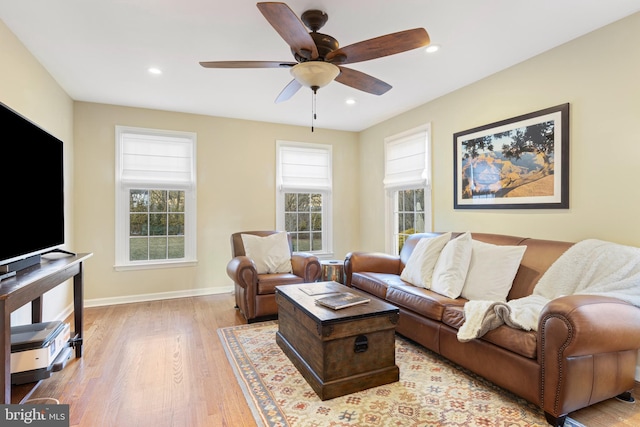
x: 491, y: 271
x: 420, y: 265
x: 271, y: 253
x: 451, y: 269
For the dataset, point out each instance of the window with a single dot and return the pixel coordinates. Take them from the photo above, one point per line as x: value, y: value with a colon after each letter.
x: 155, y: 198
x: 303, y: 195
x: 407, y: 185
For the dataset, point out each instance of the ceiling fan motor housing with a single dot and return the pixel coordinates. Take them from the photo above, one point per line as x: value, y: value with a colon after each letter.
x: 324, y: 43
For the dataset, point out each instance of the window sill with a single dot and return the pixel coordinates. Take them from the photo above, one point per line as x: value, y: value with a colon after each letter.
x: 321, y: 255
x: 154, y: 265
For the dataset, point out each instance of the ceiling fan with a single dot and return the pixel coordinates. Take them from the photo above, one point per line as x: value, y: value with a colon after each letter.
x: 319, y: 59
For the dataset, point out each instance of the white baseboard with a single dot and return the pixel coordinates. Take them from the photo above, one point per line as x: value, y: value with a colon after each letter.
x: 66, y: 313
x: 98, y: 302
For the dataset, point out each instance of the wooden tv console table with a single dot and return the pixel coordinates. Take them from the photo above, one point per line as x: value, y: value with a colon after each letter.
x: 29, y: 285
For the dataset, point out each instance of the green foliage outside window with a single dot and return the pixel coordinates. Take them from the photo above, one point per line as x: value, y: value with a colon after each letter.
x: 410, y: 214
x: 156, y: 224
x: 303, y: 220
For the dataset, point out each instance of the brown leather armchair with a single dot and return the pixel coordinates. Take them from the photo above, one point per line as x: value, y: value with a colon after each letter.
x: 255, y: 293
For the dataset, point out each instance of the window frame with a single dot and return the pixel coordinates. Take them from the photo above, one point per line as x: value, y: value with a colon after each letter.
x: 393, y: 187
x: 122, y: 213
x: 325, y: 189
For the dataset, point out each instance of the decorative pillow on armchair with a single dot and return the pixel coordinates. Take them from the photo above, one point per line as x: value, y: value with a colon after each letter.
x: 271, y: 254
x: 420, y: 265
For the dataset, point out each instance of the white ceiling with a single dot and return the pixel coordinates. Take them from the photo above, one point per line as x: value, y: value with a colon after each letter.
x: 100, y: 50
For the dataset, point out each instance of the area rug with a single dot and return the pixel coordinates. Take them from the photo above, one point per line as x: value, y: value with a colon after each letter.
x: 431, y: 390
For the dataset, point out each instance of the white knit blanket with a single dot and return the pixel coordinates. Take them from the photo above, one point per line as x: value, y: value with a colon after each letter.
x: 592, y: 267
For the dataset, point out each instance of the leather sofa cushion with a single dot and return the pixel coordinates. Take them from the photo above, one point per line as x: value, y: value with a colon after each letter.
x: 518, y: 341
x: 421, y: 301
x: 525, y: 343
x: 375, y: 283
x: 267, y: 282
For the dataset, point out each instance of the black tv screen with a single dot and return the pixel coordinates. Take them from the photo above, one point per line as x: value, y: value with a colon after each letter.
x: 33, y: 188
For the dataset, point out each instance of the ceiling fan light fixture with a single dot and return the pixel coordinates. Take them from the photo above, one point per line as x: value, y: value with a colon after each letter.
x: 314, y: 73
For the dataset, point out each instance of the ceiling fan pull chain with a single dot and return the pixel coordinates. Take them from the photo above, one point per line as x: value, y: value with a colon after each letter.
x: 313, y: 106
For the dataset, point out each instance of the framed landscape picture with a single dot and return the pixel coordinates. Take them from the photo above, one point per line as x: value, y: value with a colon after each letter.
x: 518, y: 163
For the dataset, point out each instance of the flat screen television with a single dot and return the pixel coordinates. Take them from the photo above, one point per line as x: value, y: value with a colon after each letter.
x: 32, y: 200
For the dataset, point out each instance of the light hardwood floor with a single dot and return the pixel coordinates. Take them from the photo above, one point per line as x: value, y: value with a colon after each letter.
x: 161, y: 364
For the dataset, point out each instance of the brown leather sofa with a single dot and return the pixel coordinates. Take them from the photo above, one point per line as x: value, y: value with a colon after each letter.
x: 255, y: 293
x: 584, y: 351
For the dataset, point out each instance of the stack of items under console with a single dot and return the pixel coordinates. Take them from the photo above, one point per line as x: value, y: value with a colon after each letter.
x: 37, y: 350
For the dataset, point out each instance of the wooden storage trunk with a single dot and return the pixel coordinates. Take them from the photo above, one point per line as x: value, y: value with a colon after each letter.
x: 341, y: 351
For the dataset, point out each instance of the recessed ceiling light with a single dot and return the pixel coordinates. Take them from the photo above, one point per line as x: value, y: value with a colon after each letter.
x: 350, y: 101
x: 432, y: 48
x: 154, y: 70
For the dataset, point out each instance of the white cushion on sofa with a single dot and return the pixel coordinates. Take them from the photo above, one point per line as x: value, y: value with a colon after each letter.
x: 491, y: 271
x: 451, y: 269
x: 271, y: 254
x: 420, y: 265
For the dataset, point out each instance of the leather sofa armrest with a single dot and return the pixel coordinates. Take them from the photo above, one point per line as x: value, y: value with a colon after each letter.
x: 307, y: 266
x: 587, y: 349
x: 375, y: 262
x: 580, y: 325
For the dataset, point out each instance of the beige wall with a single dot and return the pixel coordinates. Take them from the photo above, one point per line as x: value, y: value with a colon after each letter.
x: 236, y: 191
x: 598, y: 75
x: 27, y: 87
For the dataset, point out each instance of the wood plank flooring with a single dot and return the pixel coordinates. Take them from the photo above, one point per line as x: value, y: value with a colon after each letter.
x: 161, y: 364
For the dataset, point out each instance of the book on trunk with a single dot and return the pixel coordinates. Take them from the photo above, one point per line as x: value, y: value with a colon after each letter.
x: 320, y: 288
x: 341, y: 300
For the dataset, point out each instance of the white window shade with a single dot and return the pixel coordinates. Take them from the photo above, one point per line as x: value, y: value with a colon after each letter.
x: 156, y: 159
x: 304, y: 168
x: 406, y: 163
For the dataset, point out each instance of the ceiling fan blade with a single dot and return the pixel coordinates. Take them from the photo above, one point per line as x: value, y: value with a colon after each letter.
x: 378, y: 47
x: 290, y: 28
x: 288, y: 91
x: 361, y: 81
x: 247, y: 64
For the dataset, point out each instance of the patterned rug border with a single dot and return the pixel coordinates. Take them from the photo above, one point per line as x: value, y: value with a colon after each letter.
x: 231, y: 345
x: 265, y: 409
